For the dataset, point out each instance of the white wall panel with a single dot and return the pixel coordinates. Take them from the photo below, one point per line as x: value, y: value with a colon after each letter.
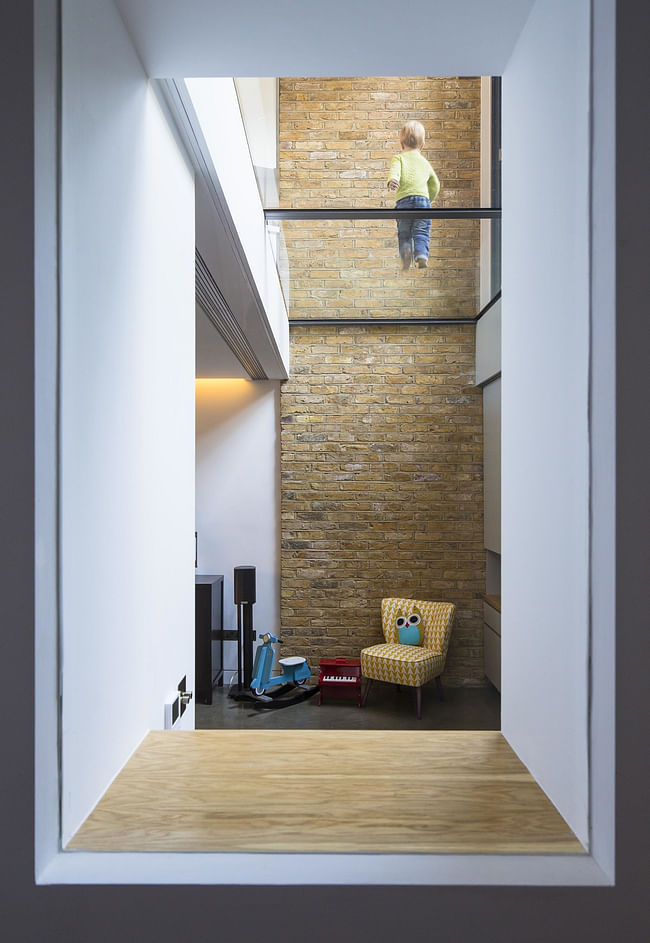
x: 238, y: 494
x: 488, y: 344
x: 492, y: 465
x: 127, y: 407
x: 545, y: 445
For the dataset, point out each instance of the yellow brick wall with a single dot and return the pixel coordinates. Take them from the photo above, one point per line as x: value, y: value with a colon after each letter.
x: 381, y: 485
x: 381, y: 449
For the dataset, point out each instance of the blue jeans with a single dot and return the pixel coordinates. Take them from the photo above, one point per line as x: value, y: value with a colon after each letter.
x: 413, y: 234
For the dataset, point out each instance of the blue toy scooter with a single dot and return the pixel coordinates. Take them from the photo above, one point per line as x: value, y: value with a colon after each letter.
x: 295, y: 669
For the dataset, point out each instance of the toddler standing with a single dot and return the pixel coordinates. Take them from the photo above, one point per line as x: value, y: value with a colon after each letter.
x: 416, y: 185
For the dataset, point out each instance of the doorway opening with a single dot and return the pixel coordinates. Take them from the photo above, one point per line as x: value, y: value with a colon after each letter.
x: 130, y: 688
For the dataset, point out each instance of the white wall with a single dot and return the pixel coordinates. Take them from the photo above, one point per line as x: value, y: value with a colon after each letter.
x: 545, y: 446
x: 488, y: 344
x: 238, y: 493
x: 259, y: 100
x: 127, y: 407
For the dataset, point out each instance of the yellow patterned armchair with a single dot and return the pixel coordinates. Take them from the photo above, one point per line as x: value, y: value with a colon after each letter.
x: 417, y: 637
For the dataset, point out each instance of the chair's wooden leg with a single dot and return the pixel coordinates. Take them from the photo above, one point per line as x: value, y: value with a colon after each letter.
x: 364, y: 697
x: 439, y: 686
x: 418, y: 695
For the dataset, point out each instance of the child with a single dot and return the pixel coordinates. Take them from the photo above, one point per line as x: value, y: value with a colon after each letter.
x: 416, y: 185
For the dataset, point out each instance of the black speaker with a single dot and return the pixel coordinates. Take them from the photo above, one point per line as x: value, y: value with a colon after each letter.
x: 244, y: 584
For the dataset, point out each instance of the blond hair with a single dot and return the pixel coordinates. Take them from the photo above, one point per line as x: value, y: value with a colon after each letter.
x: 412, y: 134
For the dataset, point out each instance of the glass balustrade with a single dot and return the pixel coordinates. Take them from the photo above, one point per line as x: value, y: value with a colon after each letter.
x: 351, y: 269
x: 325, y: 145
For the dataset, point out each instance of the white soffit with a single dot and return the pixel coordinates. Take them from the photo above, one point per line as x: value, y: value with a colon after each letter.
x: 254, y: 37
x: 213, y: 356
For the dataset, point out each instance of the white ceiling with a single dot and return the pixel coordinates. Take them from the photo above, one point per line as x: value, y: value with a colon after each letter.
x: 324, y: 37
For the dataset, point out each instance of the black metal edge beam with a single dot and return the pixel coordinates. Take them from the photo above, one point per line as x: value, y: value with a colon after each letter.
x: 353, y: 322
x: 359, y: 322
x: 464, y: 213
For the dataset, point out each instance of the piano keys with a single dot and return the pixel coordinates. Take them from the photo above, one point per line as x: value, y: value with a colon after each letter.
x: 340, y: 677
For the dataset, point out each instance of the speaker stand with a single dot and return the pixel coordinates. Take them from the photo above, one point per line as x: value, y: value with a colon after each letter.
x: 245, y: 639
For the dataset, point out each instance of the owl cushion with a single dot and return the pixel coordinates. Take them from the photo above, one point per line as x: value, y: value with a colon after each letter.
x: 435, y: 624
x: 408, y: 623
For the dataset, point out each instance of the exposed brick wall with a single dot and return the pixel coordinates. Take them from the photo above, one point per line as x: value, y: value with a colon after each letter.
x: 337, y: 136
x: 381, y: 485
x: 381, y: 426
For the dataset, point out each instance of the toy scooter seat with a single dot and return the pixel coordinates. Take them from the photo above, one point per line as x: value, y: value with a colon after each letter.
x: 292, y: 661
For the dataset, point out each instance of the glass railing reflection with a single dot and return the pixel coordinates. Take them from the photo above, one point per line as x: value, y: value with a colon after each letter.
x: 352, y: 269
x: 279, y: 249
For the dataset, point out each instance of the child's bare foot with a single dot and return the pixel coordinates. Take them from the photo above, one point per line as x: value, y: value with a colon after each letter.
x: 421, y: 262
x: 406, y: 260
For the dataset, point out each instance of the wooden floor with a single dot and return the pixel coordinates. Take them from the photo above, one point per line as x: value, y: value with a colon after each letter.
x: 325, y: 791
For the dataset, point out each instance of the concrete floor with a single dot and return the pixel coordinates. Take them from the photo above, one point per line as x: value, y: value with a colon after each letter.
x: 387, y: 708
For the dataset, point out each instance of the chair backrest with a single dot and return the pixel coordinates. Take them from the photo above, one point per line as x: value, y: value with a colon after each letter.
x: 437, y: 619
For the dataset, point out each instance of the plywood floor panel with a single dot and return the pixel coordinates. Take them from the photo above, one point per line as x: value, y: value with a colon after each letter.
x: 462, y: 792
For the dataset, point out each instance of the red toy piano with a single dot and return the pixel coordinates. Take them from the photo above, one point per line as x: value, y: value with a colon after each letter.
x: 340, y: 677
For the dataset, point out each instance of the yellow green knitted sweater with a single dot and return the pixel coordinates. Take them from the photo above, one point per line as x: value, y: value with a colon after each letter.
x: 415, y: 175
